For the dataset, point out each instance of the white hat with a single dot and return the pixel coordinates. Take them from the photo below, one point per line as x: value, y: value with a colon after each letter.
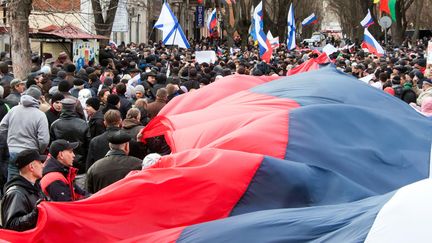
x: 150, y: 160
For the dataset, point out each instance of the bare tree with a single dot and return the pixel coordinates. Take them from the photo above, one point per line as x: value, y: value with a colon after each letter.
x: 104, y: 25
x: 398, y: 29
x: 18, y: 15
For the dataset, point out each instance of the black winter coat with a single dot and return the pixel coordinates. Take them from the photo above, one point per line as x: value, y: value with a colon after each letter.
x: 73, y: 129
x: 52, y: 115
x: 114, y: 167
x: 99, y: 147
x: 125, y: 105
x: 96, y: 124
x: 19, y: 204
x: 133, y: 127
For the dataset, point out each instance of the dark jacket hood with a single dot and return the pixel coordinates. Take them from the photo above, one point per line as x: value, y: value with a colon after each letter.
x: 53, y: 165
x: 19, y: 181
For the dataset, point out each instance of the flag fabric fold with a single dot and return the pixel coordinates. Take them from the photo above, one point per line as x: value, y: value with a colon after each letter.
x: 172, y: 33
x: 336, y: 148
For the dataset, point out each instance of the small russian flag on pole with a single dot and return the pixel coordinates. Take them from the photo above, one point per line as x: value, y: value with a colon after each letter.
x: 368, y: 20
x: 312, y: 19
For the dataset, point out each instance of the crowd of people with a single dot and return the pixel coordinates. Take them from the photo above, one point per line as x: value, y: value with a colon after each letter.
x: 88, y: 121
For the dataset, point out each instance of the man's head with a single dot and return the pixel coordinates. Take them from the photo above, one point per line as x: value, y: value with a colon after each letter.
x: 78, y: 83
x: 151, y: 77
x: 64, y: 86
x: 34, y: 92
x: 56, y: 101
x: 119, y: 140
x: 30, y: 164
x: 162, y: 94
x: 112, y: 118
x: 68, y: 104
x: 134, y: 113
x: 427, y: 84
x: 4, y: 69
x: 92, y: 106
x: 114, y: 100
x: 18, y: 85
x: 121, y: 88
x: 35, y: 77
x: 139, y: 91
x: 62, y: 150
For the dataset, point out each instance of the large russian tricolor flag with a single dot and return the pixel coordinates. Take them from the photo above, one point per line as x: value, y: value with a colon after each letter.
x: 371, y: 44
x: 310, y: 155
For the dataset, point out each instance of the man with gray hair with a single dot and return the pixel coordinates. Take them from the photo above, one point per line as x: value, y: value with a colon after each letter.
x: 17, y: 88
x: 23, y: 133
x: 115, y: 165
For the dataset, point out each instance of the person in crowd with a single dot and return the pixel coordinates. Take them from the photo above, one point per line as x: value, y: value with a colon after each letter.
x: 64, y: 88
x: 115, y: 165
x: 125, y: 103
x: 56, y: 107
x: 103, y: 97
x: 73, y: 129
x: 61, y: 75
x: 23, y: 133
x: 113, y: 103
x: 58, y: 173
x: 99, y: 144
x: 149, y: 83
x: 17, y: 88
x: 5, y: 106
x: 141, y: 105
x: 78, y: 85
x: 23, y: 192
x: 157, y: 105
x: 132, y: 126
x: 95, y: 117
x: 139, y: 93
x: 6, y: 78
x: 427, y: 91
x: 35, y: 78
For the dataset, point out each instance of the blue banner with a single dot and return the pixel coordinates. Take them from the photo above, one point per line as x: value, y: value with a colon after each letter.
x: 199, y: 16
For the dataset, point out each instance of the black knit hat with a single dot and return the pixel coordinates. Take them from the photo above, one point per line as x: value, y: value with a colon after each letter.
x: 70, y: 68
x: 93, y: 102
x: 113, y: 99
x: 57, y: 97
x: 64, y: 86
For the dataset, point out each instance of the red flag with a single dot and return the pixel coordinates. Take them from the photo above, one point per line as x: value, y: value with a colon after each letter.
x: 384, y: 6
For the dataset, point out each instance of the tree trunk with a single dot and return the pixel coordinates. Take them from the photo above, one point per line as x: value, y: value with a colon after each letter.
x: 19, y: 11
x: 418, y: 5
x: 104, y: 27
